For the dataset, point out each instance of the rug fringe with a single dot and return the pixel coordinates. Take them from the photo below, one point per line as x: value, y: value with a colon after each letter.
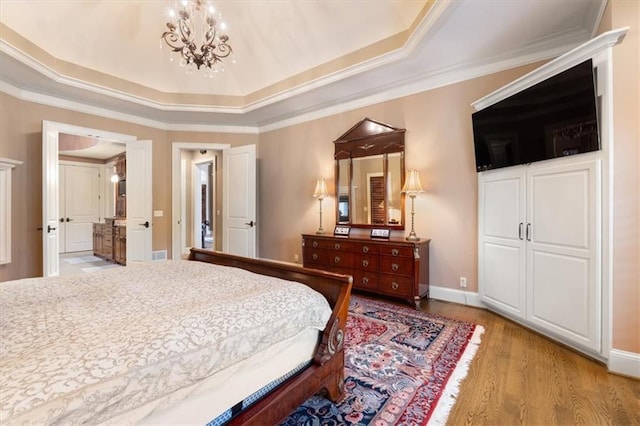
x: 451, y: 390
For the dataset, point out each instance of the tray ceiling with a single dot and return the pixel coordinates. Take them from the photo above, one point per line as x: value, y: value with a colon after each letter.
x: 292, y: 57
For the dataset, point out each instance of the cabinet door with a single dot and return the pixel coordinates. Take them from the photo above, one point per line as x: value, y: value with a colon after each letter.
x: 563, y: 256
x: 501, y: 251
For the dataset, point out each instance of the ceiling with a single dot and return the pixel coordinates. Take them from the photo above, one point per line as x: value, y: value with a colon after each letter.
x: 295, y: 59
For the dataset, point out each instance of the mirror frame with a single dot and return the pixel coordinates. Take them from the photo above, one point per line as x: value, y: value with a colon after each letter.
x: 370, y: 138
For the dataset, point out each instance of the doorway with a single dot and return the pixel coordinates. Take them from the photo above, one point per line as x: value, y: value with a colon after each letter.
x: 51, y: 132
x: 204, y: 201
x: 189, y: 161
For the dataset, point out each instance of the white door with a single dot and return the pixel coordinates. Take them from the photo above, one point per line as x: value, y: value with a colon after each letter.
x: 81, y: 188
x: 50, y: 200
x: 239, y: 200
x: 563, y: 256
x: 139, y: 201
x: 501, y: 251
x: 62, y: 248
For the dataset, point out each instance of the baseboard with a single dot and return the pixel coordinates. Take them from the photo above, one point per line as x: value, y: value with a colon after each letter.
x: 462, y: 297
x: 624, y: 363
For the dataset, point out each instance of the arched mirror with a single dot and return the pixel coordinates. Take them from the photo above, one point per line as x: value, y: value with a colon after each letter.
x: 369, y: 161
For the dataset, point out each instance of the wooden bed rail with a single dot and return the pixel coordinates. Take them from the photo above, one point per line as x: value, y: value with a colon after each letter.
x: 327, y: 370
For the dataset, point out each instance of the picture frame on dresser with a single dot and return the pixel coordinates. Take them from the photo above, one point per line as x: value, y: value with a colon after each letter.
x: 341, y: 231
x: 382, y: 233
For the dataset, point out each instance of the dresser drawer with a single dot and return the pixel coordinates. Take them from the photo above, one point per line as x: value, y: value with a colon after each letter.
x: 365, y: 262
x: 314, y: 255
x: 312, y: 243
x: 366, y: 248
x: 312, y: 265
x: 395, y: 285
x: 366, y: 280
x: 342, y: 245
x: 396, y: 265
x: 396, y: 251
x: 339, y: 259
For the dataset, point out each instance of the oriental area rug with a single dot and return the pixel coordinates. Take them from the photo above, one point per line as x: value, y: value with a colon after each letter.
x: 403, y: 367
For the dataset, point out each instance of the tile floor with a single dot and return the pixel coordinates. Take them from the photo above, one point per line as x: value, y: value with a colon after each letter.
x: 83, y: 262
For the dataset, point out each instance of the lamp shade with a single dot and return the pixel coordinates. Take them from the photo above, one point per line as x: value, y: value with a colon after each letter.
x: 412, y: 183
x: 321, y: 189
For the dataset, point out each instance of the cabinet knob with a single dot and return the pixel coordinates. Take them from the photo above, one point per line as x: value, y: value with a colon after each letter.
x: 395, y: 252
x: 337, y: 259
x: 365, y: 280
x: 365, y: 263
x: 337, y: 246
x: 395, y: 285
x: 365, y: 249
x: 395, y: 266
x: 315, y: 244
x: 315, y: 256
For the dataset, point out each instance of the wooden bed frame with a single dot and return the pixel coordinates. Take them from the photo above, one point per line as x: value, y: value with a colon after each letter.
x: 327, y: 370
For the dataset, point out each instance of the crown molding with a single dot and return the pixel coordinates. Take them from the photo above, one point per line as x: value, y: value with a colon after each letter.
x: 569, y: 59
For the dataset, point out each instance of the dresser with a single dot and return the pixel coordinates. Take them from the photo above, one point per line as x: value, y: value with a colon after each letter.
x: 394, y: 267
x: 110, y: 240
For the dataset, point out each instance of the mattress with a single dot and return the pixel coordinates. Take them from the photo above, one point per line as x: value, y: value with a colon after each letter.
x: 126, y: 342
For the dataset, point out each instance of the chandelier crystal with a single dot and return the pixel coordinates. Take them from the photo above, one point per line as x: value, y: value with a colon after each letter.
x: 194, y: 33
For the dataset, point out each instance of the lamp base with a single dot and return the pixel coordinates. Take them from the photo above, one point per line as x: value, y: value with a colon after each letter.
x: 412, y: 238
x: 320, y: 232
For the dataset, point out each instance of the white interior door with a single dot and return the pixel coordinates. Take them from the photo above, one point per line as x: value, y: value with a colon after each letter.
x: 563, y: 256
x: 81, y: 188
x: 139, y: 201
x: 501, y: 251
x: 62, y: 247
x: 50, y: 199
x: 239, y: 200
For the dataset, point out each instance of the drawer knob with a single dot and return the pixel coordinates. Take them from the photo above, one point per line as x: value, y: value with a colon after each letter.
x: 365, y: 249
x: 395, y: 285
x: 337, y: 246
x: 365, y: 263
x: 395, y: 252
x: 337, y: 259
x: 315, y: 244
x: 395, y: 266
x: 365, y: 280
x: 315, y: 256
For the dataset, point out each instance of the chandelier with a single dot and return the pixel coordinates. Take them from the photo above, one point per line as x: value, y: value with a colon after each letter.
x: 195, y: 23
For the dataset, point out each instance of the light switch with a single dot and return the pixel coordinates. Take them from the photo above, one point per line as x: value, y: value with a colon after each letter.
x: 158, y: 213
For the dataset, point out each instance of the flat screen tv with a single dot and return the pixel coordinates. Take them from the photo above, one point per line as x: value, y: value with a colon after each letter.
x: 554, y: 118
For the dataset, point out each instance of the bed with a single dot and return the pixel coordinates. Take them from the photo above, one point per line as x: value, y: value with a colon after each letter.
x: 172, y: 342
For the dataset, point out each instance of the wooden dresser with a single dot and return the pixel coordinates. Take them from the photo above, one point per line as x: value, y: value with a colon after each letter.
x: 110, y: 241
x: 394, y: 267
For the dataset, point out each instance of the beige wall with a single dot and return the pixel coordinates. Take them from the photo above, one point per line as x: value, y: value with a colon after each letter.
x: 626, y: 188
x: 438, y: 143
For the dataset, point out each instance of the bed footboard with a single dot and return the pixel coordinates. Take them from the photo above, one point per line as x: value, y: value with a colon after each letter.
x: 327, y: 370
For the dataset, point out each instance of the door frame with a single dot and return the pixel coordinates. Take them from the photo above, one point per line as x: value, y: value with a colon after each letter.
x: 51, y: 185
x: 178, y: 188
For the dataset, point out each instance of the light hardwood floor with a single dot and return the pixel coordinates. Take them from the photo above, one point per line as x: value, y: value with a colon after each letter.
x: 519, y: 377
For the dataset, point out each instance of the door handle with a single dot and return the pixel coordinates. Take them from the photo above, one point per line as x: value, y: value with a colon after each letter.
x: 61, y: 219
x: 69, y: 220
x: 520, y: 230
x: 49, y: 229
x: 251, y: 224
x: 528, y: 231
x: 146, y: 224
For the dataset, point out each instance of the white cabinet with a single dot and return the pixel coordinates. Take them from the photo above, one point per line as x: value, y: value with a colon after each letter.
x: 540, y: 247
x: 79, y: 206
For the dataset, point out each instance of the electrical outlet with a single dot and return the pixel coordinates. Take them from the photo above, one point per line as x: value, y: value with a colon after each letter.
x: 463, y: 282
x: 296, y: 259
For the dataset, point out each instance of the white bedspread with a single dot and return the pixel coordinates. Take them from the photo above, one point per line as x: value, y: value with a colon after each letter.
x: 86, y: 348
